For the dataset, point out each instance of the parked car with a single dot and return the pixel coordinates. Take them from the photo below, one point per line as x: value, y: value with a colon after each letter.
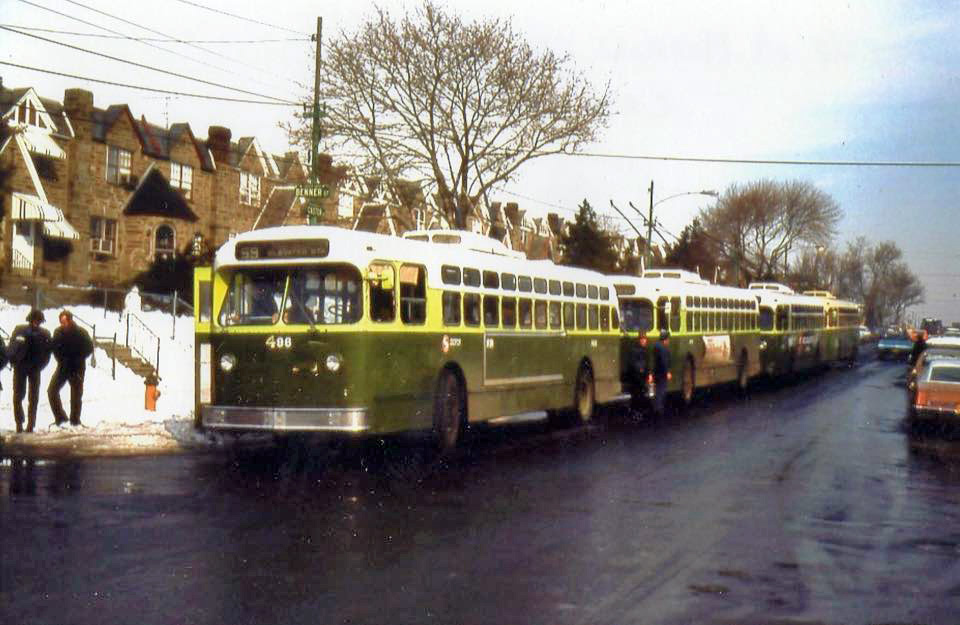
x: 894, y: 345
x: 937, y: 394
x: 936, y: 347
x: 865, y: 334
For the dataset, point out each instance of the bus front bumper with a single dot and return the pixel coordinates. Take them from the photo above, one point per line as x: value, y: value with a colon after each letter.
x: 255, y: 418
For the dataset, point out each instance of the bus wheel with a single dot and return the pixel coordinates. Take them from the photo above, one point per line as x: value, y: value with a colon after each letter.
x: 689, y: 382
x: 584, y: 397
x: 743, y: 375
x: 448, y: 412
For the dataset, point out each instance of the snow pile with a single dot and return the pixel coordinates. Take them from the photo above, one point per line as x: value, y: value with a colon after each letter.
x: 113, y: 408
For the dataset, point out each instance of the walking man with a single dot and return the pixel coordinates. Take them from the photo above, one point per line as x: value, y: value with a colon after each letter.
x: 661, y: 372
x: 71, y: 346
x: 29, y: 353
x: 637, y: 373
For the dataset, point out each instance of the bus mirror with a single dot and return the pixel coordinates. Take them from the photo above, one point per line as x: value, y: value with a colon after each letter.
x: 382, y: 276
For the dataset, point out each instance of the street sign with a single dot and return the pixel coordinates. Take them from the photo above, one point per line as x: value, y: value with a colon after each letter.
x: 313, y: 190
x: 314, y: 210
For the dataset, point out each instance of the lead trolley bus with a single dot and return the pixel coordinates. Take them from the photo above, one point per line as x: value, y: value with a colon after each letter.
x: 322, y: 329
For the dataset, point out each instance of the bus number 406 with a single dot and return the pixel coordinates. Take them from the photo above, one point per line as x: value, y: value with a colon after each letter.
x: 279, y: 342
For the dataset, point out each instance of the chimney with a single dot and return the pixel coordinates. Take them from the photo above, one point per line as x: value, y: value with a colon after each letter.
x: 78, y: 105
x: 218, y: 142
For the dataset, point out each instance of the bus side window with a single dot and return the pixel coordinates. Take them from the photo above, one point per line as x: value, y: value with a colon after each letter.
x: 556, y: 322
x: 540, y: 314
x: 615, y: 319
x: 413, y: 294
x: 581, y: 316
x: 381, y: 293
x: 491, y: 310
x: 568, y: 320
x: 675, y: 314
x: 689, y: 321
x: 451, y: 309
x: 662, y: 321
x: 471, y: 309
x: 594, y: 314
x: 605, y: 318
x: 526, y: 313
x: 781, y: 317
x: 508, y: 312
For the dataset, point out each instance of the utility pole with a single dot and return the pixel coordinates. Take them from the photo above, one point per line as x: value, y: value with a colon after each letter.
x: 646, y: 256
x: 314, y: 206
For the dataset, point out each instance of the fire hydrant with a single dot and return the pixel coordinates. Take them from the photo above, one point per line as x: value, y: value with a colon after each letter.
x: 151, y: 393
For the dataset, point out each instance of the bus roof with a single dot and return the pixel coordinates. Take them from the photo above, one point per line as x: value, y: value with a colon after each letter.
x: 360, y: 248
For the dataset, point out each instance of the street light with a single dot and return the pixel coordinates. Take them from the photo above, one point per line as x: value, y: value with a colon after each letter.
x: 646, y: 255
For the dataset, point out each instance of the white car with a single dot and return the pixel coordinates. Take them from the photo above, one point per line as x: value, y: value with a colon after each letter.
x: 865, y: 334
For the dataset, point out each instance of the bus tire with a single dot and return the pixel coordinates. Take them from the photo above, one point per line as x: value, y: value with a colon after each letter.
x: 688, y: 382
x: 584, y: 395
x: 449, y: 412
x: 743, y: 373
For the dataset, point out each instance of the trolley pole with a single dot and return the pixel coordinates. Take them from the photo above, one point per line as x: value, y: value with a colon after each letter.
x: 316, y: 130
x: 646, y: 255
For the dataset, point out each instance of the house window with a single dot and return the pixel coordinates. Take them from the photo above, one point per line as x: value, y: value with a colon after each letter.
x: 118, y: 165
x: 103, y: 235
x: 249, y: 188
x: 165, y: 242
x: 181, y: 177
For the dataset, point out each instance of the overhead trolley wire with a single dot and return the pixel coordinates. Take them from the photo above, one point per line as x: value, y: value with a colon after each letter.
x: 157, y: 32
x: 131, y: 38
x: 152, y: 89
x: 142, y: 66
x: 240, y: 17
x: 153, y: 39
x: 759, y: 161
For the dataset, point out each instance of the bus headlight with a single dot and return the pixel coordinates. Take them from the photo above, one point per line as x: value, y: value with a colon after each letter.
x: 763, y: 345
x: 333, y: 362
x: 228, y: 362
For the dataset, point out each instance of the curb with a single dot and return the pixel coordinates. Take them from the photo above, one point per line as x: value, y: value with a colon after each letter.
x: 113, y: 440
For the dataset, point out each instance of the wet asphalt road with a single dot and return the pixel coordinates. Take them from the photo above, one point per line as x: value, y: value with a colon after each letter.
x: 804, y: 503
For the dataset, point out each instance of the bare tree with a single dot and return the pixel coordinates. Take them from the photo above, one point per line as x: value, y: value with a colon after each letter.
x: 891, y: 286
x: 754, y: 227
x: 456, y: 106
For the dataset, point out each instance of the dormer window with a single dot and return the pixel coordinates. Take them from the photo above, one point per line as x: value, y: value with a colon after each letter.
x: 28, y: 115
x: 249, y: 188
x: 181, y: 177
x: 118, y: 165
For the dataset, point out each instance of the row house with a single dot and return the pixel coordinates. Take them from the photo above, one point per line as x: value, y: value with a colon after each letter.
x: 95, y: 196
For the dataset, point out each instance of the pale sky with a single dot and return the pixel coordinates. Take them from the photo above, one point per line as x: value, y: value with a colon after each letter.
x: 823, y: 81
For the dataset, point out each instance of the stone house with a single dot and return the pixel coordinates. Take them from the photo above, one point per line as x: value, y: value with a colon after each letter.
x: 94, y: 196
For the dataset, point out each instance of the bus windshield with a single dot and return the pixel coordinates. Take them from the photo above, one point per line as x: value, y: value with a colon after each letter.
x: 323, y: 295
x: 254, y: 297
x: 317, y: 295
x: 636, y: 314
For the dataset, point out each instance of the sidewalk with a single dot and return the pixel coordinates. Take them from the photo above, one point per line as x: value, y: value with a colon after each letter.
x: 172, y: 436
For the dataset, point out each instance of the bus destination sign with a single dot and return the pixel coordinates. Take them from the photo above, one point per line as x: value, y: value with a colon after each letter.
x: 271, y: 250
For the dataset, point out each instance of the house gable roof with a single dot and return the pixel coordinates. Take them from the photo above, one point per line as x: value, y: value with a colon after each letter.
x: 155, y: 198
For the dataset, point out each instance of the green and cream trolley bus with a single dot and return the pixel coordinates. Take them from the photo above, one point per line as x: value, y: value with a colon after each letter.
x: 792, y: 329
x: 321, y: 329
x: 713, y: 329
x: 841, y: 333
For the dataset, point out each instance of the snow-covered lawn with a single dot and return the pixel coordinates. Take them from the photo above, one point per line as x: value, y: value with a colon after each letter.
x: 112, y: 408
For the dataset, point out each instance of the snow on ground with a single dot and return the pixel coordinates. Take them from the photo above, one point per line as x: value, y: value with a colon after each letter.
x: 112, y: 408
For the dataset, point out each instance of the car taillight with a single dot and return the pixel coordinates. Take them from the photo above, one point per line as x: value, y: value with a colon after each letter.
x: 921, y: 398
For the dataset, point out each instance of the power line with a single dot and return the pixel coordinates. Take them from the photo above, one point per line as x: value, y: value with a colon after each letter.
x: 152, y: 89
x: 130, y: 38
x: 754, y: 161
x: 155, y: 69
x: 240, y: 17
x: 157, y: 32
x: 153, y: 39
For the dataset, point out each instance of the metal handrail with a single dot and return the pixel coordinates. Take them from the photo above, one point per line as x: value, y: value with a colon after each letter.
x: 20, y: 260
x: 143, y: 341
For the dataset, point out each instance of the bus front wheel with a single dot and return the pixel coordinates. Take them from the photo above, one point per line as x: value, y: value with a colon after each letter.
x: 448, y: 412
x: 584, y: 396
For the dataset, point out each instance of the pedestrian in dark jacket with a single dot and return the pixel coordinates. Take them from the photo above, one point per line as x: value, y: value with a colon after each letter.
x: 637, y: 370
x: 29, y: 353
x: 71, y: 346
x: 661, y: 372
x: 3, y: 358
x: 919, y: 344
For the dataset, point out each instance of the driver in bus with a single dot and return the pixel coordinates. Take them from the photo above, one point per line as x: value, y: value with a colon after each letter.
x: 263, y: 304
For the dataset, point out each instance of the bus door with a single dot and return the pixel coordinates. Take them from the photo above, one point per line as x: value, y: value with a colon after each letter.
x: 202, y: 327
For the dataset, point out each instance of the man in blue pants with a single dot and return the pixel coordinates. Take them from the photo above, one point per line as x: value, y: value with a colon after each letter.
x: 661, y: 372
